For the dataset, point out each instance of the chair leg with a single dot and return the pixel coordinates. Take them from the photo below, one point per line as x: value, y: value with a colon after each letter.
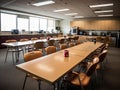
x: 24, y: 82
x: 82, y: 87
x: 54, y: 86
x: 39, y: 83
x: 6, y: 56
x: 13, y: 57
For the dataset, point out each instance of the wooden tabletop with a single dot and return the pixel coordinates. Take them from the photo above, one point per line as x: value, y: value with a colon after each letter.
x: 52, y: 67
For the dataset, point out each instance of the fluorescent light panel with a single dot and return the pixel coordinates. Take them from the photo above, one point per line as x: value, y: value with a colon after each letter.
x: 105, y: 15
x: 101, y: 5
x: 61, y: 10
x: 43, y: 3
x: 79, y: 17
x: 103, y: 11
x: 71, y: 14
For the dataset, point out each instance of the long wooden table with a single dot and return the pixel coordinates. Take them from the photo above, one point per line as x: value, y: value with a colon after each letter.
x: 51, y: 68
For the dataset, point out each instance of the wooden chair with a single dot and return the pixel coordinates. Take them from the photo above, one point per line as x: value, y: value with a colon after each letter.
x: 80, y: 79
x: 26, y: 47
x: 62, y: 41
x: 69, y: 42
x: 34, y: 38
x: 102, y: 57
x: 39, y: 46
x: 51, y: 42
x: 99, y: 39
x: 23, y: 39
x: 107, y: 40
x: 14, y: 50
x: 50, y: 49
x: 63, y: 46
x: 32, y: 46
x: 76, y: 40
x: 100, y: 65
x: 28, y: 57
x: 82, y: 39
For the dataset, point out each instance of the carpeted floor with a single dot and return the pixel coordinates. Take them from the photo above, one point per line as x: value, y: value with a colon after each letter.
x: 12, y: 78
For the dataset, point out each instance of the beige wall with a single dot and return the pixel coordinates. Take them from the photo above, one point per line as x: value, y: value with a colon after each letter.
x: 97, y: 24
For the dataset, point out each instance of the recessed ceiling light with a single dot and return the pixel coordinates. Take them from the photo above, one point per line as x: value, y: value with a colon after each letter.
x: 61, y: 10
x: 43, y: 3
x: 71, y: 14
x: 105, y: 15
x: 103, y: 11
x: 101, y: 5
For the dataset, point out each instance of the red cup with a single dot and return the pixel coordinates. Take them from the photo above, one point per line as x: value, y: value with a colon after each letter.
x: 66, y: 53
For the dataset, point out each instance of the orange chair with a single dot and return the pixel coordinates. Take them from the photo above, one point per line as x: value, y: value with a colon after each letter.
x: 100, y: 64
x: 50, y: 49
x: 76, y: 39
x: 51, y: 42
x: 63, y: 46
x: 69, y: 42
x: 23, y: 39
x: 102, y: 56
x: 80, y: 79
x: 39, y: 46
x: 99, y: 39
x: 32, y: 55
x: 28, y: 57
x: 34, y: 38
x: 26, y: 47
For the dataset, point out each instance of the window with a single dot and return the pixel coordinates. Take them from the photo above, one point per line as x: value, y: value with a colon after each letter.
x: 34, y: 24
x: 26, y: 23
x: 23, y: 24
x: 43, y: 24
x: 8, y: 22
x: 51, y: 25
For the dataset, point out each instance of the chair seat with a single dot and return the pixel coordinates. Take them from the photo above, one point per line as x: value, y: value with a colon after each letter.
x: 83, y: 78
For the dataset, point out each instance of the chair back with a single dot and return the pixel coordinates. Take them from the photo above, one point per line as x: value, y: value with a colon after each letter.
x: 82, y: 39
x: 63, y: 46
x: 39, y: 45
x: 107, y: 40
x: 62, y: 41
x: 92, y: 67
x: 103, y: 55
x: 11, y: 40
x: 32, y: 55
x: 69, y: 39
x: 51, y: 42
x: 71, y: 44
x: 99, y: 39
x: 34, y: 38
x: 24, y: 39
x: 76, y: 38
x: 50, y: 49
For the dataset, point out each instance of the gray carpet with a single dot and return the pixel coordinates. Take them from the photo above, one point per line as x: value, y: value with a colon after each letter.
x: 12, y: 78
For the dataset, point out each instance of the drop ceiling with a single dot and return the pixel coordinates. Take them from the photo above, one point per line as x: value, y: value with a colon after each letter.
x: 76, y: 6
